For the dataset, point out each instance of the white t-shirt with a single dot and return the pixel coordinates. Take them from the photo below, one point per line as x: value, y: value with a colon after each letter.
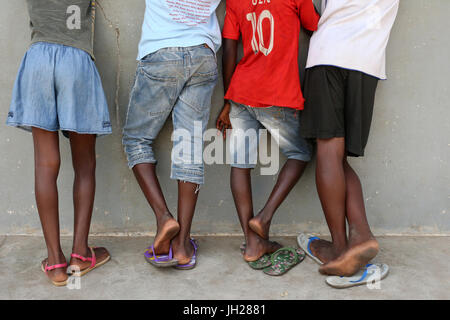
x: 353, y: 34
x: 179, y: 23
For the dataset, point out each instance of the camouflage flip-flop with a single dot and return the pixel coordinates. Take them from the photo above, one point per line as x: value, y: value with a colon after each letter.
x: 284, y: 260
x: 261, y: 263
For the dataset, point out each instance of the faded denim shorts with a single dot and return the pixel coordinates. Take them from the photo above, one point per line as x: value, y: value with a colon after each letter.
x: 58, y: 88
x: 177, y: 80
x: 284, y: 122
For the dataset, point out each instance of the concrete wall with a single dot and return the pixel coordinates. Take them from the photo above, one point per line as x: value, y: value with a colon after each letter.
x: 406, y: 172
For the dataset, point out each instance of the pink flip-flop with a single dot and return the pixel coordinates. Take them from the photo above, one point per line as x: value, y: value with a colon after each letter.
x: 48, y: 268
x: 94, y: 263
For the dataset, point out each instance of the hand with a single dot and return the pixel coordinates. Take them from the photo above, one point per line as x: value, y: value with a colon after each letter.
x: 223, y: 121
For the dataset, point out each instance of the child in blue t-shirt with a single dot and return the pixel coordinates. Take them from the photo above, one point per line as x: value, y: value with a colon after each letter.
x: 176, y: 73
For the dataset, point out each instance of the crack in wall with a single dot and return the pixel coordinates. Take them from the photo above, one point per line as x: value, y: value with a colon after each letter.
x: 118, y: 63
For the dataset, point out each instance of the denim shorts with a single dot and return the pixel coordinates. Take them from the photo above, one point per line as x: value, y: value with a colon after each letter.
x: 284, y: 122
x: 177, y: 80
x: 58, y: 88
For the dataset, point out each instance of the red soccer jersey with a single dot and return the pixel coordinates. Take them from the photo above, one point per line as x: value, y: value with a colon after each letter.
x: 268, y: 73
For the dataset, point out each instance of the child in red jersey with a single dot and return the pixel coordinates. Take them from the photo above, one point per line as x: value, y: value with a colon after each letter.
x: 263, y: 92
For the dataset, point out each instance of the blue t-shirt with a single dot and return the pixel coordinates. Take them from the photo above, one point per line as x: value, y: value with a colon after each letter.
x: 179, y: 23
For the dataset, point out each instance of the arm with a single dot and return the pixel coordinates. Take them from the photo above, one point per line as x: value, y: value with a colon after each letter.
x: 230, y: 48
x: 308, y: 15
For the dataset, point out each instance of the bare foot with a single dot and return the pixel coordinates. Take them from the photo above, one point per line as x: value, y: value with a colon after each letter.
x: 101, y: 254
x: 258, y: 247
x: 167, y: 230
x: 183, y: 250
x: 56, y: 275
x: 260, y: 227
x: 324, y: 250
x: 352, y: 260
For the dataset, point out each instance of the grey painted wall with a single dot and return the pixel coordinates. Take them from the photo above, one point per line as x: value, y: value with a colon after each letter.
x: 406, y: 172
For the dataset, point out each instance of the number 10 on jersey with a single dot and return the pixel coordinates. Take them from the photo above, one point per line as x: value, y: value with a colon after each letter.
x: 257, y: 28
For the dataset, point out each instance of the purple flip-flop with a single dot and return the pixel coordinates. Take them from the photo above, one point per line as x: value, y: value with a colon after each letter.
x: 160, y: 261
x: 193, y: 262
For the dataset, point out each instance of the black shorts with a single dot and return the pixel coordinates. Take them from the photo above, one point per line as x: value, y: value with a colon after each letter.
x: 339, y: 103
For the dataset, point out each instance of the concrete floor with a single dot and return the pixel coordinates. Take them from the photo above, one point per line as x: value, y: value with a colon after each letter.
x: 419, y: 270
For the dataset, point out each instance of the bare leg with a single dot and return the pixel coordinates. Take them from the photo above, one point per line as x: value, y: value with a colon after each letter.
x: 84, y: 164
x: 47, y: 162
x: 242, y: 194
x: 287, y: 179
x: 187, y: 200
x: 167, y: 226
x: 359, y: 229
x: 362, y: 245
x: 331, y: 187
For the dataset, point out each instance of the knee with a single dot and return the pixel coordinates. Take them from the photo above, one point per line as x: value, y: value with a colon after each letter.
x: 330, y: 149
x: 85, y: 167
x: 238, y: 175
x: 48, y: 163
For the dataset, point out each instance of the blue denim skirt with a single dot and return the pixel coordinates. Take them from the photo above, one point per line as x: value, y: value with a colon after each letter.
x: 58, y: 88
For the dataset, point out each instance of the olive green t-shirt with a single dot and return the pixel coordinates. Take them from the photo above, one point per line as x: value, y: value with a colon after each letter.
x: 67, y: 22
